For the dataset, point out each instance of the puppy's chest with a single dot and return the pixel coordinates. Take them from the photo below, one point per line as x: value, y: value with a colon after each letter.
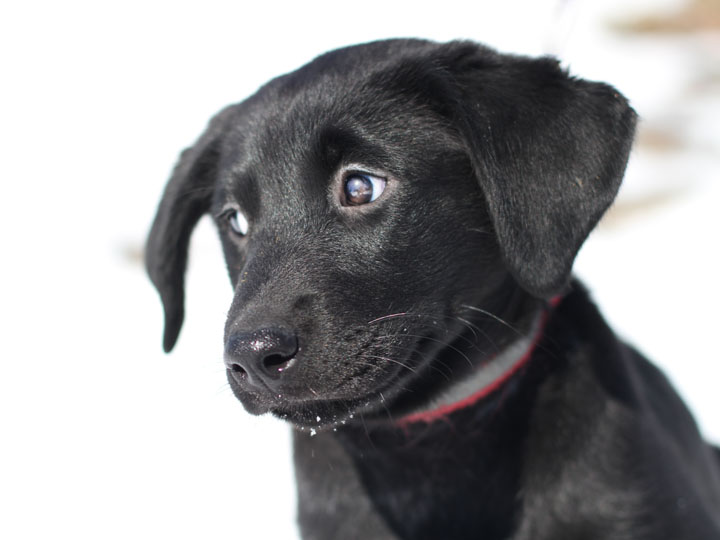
x: 445, y: 486
x: 332, y: 500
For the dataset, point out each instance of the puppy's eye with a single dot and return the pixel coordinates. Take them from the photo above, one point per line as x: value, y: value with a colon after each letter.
x: 238, y: 222
x: 363, y: 188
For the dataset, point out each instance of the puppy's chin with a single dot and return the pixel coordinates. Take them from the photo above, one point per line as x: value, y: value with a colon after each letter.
x: 314, y: 414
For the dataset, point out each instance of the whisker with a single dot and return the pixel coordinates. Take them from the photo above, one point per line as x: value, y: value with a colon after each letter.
x: 480, y: 231
x: 473, y: 344
x: 472, y: 327
x: 449, y: 346
x: 493, y: 316
x: 437, y: 364
x: 384, y: 404
x: 398, y: 362
x: 391, y: 316
x: 483, y: 332
x: 434, y: 321
x: 223, y: 389
x: 430, y: 365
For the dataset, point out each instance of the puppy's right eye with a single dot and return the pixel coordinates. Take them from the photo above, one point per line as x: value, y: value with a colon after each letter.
x: 238, y: 222
x: 362, y: 188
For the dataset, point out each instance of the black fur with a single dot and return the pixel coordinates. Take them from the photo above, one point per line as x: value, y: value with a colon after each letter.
x: 345, y: 319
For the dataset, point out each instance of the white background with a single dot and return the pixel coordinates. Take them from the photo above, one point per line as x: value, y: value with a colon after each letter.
x: 103, y: 436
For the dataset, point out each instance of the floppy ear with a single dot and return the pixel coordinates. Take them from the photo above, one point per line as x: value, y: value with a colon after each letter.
x: 187, y: 197
x: 549, y: 152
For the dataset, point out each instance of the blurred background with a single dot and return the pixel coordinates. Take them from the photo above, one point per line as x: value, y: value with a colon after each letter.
x: 104, y: 436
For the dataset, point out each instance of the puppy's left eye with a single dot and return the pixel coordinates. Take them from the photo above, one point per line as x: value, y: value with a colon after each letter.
x: 238, y: 222
x: 363, y: 188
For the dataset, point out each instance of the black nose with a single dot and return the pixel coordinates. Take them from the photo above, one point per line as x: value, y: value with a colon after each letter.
x: 260, y: 357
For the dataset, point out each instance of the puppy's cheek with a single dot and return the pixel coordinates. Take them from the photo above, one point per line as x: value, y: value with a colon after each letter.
x: 336, y: 379
x: 364, y: 384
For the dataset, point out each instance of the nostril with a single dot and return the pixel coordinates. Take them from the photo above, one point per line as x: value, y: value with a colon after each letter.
x: 276, y: 363
x: 237, y: 368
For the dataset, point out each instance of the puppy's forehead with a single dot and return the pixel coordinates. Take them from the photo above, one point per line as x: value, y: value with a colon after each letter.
x: 345, y: 102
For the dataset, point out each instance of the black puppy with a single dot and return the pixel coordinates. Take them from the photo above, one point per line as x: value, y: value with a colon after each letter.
x: 399, y: 221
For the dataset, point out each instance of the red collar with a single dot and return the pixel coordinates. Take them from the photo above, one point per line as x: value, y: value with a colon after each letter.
x: 445, y: 410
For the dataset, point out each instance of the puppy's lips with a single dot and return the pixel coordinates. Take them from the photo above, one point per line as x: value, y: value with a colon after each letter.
x: 304, y: 413
x: 322, y: 415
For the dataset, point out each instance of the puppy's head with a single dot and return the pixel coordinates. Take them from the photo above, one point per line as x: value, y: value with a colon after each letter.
x: 380, y: 209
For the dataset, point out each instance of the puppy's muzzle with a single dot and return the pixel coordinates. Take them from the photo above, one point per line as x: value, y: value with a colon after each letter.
x: 260, y: 357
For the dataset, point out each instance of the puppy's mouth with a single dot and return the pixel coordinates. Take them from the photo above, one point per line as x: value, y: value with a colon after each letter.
x: 313, y: 408
x: 318, y: 412
x: 309, y: 406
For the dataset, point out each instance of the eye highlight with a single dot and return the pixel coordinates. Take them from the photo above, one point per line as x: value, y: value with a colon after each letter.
x: 362, y: 188
x: 238, y: 222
